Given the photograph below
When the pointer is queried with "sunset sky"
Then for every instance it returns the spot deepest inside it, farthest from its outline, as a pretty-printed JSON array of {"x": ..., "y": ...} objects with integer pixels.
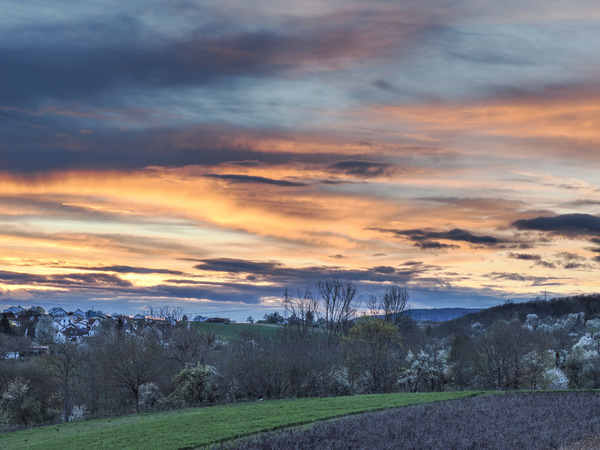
[{"x": 209, "y": 154}]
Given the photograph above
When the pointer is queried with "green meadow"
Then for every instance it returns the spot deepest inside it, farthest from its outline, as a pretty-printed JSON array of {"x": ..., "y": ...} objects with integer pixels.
[
  {"x": 233, "y": 330},
  {"x": 198, "y": 427}
]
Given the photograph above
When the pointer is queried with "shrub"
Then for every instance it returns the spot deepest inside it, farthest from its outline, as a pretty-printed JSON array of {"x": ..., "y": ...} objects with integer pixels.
[
  {"x": 150, "y": 397},
  {"x": 78, "y": 413},
  {"x": 194, "y": 386}
]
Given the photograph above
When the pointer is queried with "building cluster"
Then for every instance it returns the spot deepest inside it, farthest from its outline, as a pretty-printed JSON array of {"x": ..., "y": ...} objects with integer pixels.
[{"x": 72, "y": 325}]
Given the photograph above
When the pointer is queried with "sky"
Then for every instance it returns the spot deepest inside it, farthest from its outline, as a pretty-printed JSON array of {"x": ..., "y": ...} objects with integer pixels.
[{"x": 209, "y": 155}]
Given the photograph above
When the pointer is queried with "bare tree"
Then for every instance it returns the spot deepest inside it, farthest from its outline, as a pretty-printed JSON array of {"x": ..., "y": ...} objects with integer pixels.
[
  {"x": 162, "y": 320},
  {"x": 64, "y": 363},
  {"x": 339, "y": 305},
  {"x": 301, "y": 310},
  {"x": 186, "y": 346},
  {"x": 391, "y": 304},
  {"x": 131, "y": 361}
]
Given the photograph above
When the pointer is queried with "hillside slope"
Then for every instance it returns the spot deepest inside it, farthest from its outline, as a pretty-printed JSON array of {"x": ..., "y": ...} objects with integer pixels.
[
  {"x": 589, "y": 305},
  {"x": 202, "y": 426}
]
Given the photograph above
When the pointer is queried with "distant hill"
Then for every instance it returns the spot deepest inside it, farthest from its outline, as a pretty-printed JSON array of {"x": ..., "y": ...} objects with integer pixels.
[
  {"x": 555, "y": 308},
  {"x": 438, "y": 314}
]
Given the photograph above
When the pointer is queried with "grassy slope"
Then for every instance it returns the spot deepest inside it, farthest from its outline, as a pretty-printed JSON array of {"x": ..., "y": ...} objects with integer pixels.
[
  {"x": 202, "y": 426},
  {"x": 543, "y": 420},
  {"x": 232, "y": 331}
]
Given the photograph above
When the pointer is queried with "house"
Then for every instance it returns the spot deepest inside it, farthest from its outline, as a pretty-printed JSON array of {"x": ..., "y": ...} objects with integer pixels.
[
  {"x": 35, "y": 350},
  {"x": 90, "y": 314},
  {"x": 221, "y": 320},
  {"x": 79, "y": 313},
  {"x": 93, "y": 326},
  {"x": 73, "y": 333},
  {"x": 16, "y": 310},
  {"x": 199, "y": 319},
  {"x": 66, "y": 321},
  {"x": 139, "y": 317},
  {"x": 92, "y": 323},
  {"x": 60, "y": 338},
  {"x": 36, "y": 311},
  {"x": 57, "y": 311},
  {"x": 14, "y": 320},
  {"x": 32, "y": 350}
]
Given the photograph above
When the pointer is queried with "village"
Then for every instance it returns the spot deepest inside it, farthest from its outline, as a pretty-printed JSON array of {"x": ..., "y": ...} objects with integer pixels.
[{"x": 74, "y": 326}]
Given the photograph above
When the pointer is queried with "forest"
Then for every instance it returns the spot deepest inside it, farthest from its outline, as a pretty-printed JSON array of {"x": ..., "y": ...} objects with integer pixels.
[{"x": 325, "y": 347}]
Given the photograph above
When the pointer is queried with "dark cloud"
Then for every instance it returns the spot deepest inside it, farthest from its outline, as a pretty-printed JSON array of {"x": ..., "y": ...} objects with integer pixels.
[
  {"x": 546, "y": 264},
  {"x": 572, "y": 225},
  {"x": 384, "y": 269},
  {"x": 130, "y": 269},
  {"x": 73, "y": 72},
  {"x": 72, "y": 280},
  {"x": 238, "y": 266},
  {"x": 532, "y": 280},
  {"x": 226, "y": 292},
  {"x": 120, "y": 53},
  {"x": 455, "y": 234},
  {"x": 363, "y": 169},
  {"x": 562, "y": 260},
  {"x": 275, "y": 272},
  {"x": 255, "y": 179},
  {"x": 434, "y": 245},
  {"x": 28, "y": 151},
  {"x": 427, "y": 238},
  {"x": 525, "y": 256},
  {"x": 582, "y": 203},
  {"x": 568, "y": 256},
  {"x": 121, "y": 150},
  {"x": 578, "y": 266},
  {"x": 91, "y": 285},
  {"x": 383, "y": 85},
  {"x": 572, "y": 261}
]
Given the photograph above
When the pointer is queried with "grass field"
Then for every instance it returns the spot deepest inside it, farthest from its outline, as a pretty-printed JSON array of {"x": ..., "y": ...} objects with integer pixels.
[
  {"x": 202, "y": 426},
  {"x": 233, "y": 330},
  {"x": 518, "y": 420}
]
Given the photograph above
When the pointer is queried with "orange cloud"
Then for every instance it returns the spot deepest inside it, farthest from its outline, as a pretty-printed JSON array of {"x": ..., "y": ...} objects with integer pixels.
[{"x": 566, "y": 120}]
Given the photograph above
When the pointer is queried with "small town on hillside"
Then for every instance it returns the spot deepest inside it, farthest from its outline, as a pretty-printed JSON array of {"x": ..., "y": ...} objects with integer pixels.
[{"x": 76, "y": 325}]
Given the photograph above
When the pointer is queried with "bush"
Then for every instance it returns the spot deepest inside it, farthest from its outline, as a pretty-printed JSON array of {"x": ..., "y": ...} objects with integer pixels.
[
  {"x": 194, "y": 386},
  {"x": 150, "y": 397},
  {"x": 18, "y": 407},
  {"x": 78, "y": 413}
]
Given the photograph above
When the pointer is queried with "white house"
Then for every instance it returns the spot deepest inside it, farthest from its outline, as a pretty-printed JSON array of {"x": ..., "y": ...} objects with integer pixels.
[
  {"x": 60, "y": 337},
  {"x": 66, "y": 321}
]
